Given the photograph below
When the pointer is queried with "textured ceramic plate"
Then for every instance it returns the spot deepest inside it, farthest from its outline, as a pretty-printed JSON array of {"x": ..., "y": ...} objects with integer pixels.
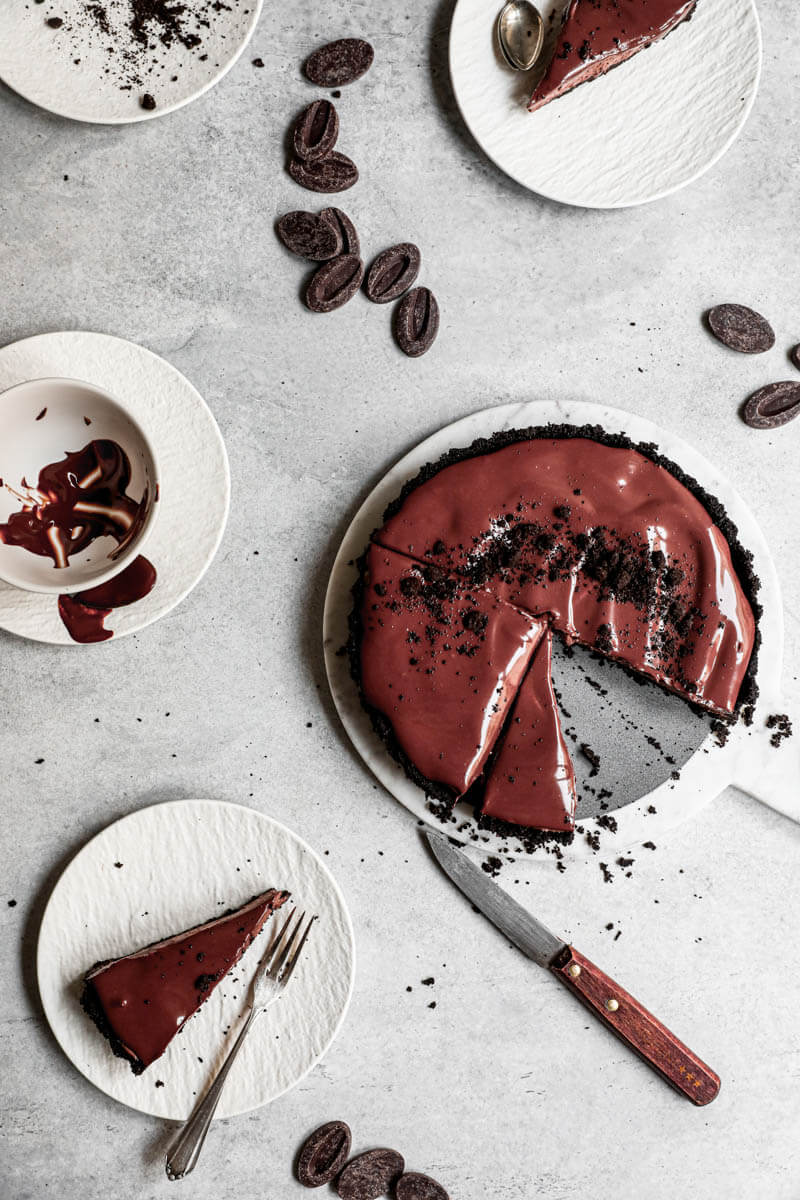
[
  {"x": 71, "y": 71},
  {"x": 619, "y": 728},
  {"x": 181, "y": 863},
  {"x": 644, "y": 130},
  {"x": 193, "y": 470}
]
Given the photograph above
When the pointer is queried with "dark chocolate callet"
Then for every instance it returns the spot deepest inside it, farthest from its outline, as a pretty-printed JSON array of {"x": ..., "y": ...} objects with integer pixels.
[
  {"x": 740, "y": 328},
  {"x": 310, "y": 235},
  {"x": 334, "y": 173},
  {"x": 773, "y": 405},
  {"x": 336, "y": 282},
  {"x": 316, "y": 131},
  {"x": 393, "y": 272},
  {"x": 370, "y": 1175},
  {"x": 323, "y": 1154},
  {"x": 414, "y": 1186},
  {"x": 339, "y": 62},
  {"x": 345, "y": 230},
  {"x": 417, "y": 322}
]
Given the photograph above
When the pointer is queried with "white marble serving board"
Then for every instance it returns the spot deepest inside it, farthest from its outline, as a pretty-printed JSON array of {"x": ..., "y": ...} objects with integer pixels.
[
  {"x": 70, "y": 72},
  {"x": 746, "y": 759},
  {"x": 182, "y": 862},
  {"x": 194, "y": 478},
  {"x": 645, "y": 129}
]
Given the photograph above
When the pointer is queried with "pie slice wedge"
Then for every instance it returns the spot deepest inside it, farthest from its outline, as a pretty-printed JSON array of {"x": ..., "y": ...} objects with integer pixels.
[
  {"x": 597, "y": 35},
  {"x": 438, "y": 665},
  {"x": 531, "y": 782},
  {"x": 140, "y": 1001}
]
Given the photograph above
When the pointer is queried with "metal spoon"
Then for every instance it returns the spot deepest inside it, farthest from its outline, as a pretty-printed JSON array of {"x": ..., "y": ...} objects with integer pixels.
[{"x": 520, "y": 32}]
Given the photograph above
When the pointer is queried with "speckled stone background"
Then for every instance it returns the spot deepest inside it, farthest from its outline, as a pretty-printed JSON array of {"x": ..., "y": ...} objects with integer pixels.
[{"x": 163, "y": 233}]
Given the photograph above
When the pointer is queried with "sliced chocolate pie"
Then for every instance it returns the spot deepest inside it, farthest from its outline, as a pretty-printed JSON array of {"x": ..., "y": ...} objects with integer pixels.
[
  {"x": 496, "y": 547},
  {"x": 140, "y": 1001},
  {"x": 597, "y": 35}
]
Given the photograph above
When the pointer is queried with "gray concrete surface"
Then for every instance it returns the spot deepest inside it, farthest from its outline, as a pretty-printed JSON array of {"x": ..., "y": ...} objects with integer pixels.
[{"x": 163, "y": 234}]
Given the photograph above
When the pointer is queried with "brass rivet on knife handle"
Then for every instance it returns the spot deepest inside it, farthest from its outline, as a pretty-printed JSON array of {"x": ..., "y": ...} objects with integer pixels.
[{"x": 631, "y": 1022}]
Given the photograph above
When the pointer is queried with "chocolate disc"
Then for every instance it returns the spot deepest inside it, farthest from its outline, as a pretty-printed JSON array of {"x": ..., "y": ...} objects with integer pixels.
[
  {"x": 339, "y": 62},
  {"x": 323, "y": 1154},
  {"x": 417, "y": 322},
  {"x": 773, "y": 405},
  {"x": 316, "y": 131},
  {"x": 311, "y": 236},
  {"x": 413, "y": 1186},
  {"x": 345, "y": 228},
  {"x": 393, "y": 272},
  {"x": 336, "y": 282},
  {"x": 370, "y": 1175},
  {"x": 741, "y": 329},
  {"x": 334, "y": 173},
  {"x": 794, "y": 356}
]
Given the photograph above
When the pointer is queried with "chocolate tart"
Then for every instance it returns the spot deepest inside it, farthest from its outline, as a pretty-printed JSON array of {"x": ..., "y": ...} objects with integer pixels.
[
  {"x": 140, "y": 1001},
  {"x": 580, "y": 533},
  {"x": 597, "y": 35}
]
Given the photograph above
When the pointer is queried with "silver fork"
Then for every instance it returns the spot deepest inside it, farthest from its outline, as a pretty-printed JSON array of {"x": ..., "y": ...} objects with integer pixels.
[{"x": 273, "y": 973}]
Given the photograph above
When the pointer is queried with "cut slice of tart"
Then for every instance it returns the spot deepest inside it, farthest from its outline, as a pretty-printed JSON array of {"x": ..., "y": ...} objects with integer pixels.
[
  {"x": 531, "y": 782},
  {"x": 438, "y": 664},
  {"x": 140, "y": 1001},
  {"x": 597, "y": 35}
]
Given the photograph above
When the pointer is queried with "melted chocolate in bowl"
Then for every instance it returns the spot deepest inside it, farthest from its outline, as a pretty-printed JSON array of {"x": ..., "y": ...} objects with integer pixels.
[{"x": 77, "y": 500}]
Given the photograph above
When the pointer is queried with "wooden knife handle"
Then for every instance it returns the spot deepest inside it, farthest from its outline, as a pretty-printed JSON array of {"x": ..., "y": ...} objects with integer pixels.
[{"x": 627, "y": 1018}]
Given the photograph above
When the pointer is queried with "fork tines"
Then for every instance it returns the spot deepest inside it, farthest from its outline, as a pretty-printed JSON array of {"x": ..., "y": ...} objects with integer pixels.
[{"x": 283, "y": 951}]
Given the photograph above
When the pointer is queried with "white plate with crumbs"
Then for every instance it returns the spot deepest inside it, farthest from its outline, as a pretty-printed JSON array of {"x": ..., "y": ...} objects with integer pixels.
[
  {"x": 647, "y": 128},
  {"x": 158, "y": 872},
  {"x": 116, "y": 61}
]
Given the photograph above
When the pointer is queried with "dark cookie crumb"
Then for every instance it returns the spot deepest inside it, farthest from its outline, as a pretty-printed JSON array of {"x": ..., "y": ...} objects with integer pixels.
[
  {"x": 649, "y": 845},
  {"x": 782, "y": 726},
  {"x": 492, "y": 866},
  {"x": 147, "y": 102},
  {"x": 593, "y": 757}
]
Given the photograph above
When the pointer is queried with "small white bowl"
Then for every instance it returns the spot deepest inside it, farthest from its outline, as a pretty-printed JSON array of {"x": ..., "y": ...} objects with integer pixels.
[{"x": 42, "y": 421}]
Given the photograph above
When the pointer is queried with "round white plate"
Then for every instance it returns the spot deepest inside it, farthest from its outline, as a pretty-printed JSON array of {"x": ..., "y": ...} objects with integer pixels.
[
  {"x": 182, "y": 862},
  {"x": 647, "y": 128},
  {"x": 193, "y": 471},
  {"x": 708, "y": 770},
  {"x": 40, "y": 63}
]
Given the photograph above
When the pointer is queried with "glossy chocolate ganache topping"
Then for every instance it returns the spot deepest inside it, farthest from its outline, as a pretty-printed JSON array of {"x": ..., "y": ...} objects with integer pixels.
[
  {"x": 140, "y": 1001},
  {"x": 494, "y": 548},
  {"x": 597, "y": 35},
  {"x": 76, "y": 500}
]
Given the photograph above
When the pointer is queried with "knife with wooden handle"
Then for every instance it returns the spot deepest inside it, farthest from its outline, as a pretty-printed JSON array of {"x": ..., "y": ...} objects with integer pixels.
[{"x": 610, "y": 1003}]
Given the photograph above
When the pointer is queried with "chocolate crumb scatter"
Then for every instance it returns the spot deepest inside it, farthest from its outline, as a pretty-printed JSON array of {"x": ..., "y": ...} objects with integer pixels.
[
  {"x": 593, "y": 758},
  {"x": 782, "y": 726},
  {"x": 492, "y": 866},
  {"x": 607, "y": 875}
]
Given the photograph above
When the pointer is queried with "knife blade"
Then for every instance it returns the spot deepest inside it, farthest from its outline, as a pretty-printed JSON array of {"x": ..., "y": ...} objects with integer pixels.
[{"x": 610, "y": 1003}]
